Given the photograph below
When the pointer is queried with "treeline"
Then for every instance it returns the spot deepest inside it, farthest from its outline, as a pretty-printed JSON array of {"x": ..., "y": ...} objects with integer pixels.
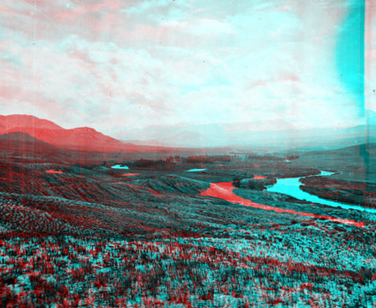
[
  {"x": 173, "y": 161},
  {"x": 267, "y": 157},
  {"x": 206, "y": 159}
]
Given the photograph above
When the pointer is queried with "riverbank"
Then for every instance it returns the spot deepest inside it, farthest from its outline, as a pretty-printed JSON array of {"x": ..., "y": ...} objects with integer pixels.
[
  {"x": 343, "y": 191},
  {"x": 293, "y": 187}
]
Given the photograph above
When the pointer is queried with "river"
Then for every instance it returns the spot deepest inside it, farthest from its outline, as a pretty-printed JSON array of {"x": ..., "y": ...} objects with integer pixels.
[
  {"x": 224, "y": 190},
  {"x": 291, "y": 186}
]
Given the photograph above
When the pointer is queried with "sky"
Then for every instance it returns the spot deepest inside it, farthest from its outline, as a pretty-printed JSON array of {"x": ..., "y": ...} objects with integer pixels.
[{"x": 123, "y": 65}]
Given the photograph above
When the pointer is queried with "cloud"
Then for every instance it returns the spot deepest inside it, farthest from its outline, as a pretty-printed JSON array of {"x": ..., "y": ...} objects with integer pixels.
[{"x": 131, "y": 64}]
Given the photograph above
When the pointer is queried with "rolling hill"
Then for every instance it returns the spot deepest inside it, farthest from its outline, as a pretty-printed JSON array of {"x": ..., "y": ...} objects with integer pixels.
[{"x": 83, "y": 138}]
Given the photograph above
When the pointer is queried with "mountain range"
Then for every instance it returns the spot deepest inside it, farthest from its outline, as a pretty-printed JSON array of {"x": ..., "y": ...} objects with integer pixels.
[
  {"x": 275, "y": 135},
  {"x": 82, "y": 138},
  {"x": 26, "y": 134},
  {"x": 246, "y": 137}
]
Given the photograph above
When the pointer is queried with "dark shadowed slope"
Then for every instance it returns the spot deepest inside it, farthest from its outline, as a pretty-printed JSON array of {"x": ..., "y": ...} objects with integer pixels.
[{"x": 22, "y": 146}]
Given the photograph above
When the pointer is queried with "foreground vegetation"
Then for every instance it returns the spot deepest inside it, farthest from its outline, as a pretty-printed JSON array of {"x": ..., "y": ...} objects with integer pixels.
[
  {"x": 90, "y": 237},
  {"x": 73, "y": 272}
]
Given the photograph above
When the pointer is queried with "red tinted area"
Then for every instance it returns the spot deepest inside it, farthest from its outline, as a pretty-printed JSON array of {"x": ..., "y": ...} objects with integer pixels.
[
  {"x": 224, "y": 191},
  {"x": 130, "y": 174},
  {"x": 259, "y": 177},
  {"x": 54, "y": 171}
]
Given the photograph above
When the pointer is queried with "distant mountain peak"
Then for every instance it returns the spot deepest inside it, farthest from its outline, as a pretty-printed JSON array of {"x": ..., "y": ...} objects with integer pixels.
[
  {"x": 85, "y": 129},
  {"x": 23, "y": 120}
]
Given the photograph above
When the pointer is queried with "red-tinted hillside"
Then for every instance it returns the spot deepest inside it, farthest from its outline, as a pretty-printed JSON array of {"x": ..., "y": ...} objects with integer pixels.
[
  {"x": 84, "y": 138},
  {"x": 23, "y": 120},
  {"x": 80, "y": 139}
]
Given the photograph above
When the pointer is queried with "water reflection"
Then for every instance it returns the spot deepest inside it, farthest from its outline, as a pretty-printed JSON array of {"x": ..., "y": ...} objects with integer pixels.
[{"x": 291, "y": 186}]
